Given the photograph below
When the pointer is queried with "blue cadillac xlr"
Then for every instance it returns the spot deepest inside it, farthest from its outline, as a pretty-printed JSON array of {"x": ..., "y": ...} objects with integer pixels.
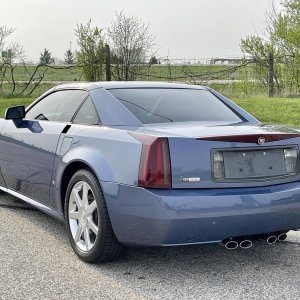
[{"x": 152, "y": 164}]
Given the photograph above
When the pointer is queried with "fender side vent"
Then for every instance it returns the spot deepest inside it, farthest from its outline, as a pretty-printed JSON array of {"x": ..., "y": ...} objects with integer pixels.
[{"x": 66, "y": 129}]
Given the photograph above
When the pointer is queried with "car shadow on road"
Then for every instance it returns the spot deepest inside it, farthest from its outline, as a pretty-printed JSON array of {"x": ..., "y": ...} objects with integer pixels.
[{"x": 30, "y": 214}]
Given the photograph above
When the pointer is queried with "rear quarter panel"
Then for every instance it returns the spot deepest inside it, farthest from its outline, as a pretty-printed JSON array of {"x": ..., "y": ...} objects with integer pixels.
[{"x": 112, "y": 154}]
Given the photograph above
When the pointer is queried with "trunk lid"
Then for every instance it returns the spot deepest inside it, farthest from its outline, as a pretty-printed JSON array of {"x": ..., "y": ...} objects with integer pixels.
[
  {"x": 253, "y": 154},
  {"x": 206, "y": 130}
]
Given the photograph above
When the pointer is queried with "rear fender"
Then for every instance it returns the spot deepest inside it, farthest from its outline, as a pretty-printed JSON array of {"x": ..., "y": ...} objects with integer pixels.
[
  {"x": 110, "y": 160},
  {"x": 93, "y": 159}
]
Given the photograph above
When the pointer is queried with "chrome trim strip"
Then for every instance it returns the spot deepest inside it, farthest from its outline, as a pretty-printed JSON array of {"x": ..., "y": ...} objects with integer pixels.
[
  {"x": 190, "y": 244},
  {"x": 36, "y": 204},
  {"x": 3, "y": 189}
]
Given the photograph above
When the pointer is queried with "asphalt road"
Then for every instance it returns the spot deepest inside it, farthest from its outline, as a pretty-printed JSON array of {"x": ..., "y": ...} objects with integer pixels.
[{"x": 36, "y": 262}]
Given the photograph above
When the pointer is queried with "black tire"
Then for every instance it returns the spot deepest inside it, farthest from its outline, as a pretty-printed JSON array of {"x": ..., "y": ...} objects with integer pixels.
[{"x": 106, "y": 246}]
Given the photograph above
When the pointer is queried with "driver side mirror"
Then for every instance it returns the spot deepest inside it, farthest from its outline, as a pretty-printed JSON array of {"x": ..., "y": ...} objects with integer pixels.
[{"x": 14, "y": 113}]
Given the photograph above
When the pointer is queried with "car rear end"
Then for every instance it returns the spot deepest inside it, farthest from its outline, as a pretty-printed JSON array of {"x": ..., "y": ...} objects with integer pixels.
[
  {"x": 193, "y": 190},
  {"x": 205, "y": 182}
]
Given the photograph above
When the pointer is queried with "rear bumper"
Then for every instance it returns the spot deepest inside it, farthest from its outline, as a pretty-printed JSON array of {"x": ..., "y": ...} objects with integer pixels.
[{"x": 179, "y": 217}]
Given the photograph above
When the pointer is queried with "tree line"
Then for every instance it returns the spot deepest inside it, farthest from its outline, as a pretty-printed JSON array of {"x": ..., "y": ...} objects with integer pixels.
[{"x": 127, "y": 44}]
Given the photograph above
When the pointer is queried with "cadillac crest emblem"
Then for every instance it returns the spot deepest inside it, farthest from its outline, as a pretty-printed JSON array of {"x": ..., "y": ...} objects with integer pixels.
[{"x": 261, "y": 141}]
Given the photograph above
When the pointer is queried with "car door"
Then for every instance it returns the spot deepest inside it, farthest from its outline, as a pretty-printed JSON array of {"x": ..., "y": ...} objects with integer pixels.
[{"x": 28, "y": 148}]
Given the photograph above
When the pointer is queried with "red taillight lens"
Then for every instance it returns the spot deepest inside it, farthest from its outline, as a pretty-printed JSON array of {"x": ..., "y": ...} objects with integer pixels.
[{"x": 155, "y": 165}]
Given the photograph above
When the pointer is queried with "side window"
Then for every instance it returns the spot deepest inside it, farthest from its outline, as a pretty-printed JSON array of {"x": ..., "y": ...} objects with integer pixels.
[
  {"x": 87, "y": 114},
  {"x": 59, "y": 106}
]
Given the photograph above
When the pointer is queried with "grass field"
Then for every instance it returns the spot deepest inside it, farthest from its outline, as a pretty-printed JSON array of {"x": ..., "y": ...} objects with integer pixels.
[
  {"x": 4, "y": 103},
  {"x": 275, "y": 111}
]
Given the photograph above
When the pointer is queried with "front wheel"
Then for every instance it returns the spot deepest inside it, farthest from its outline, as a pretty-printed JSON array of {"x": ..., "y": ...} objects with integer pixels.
[{"x": 88, "y": 224}]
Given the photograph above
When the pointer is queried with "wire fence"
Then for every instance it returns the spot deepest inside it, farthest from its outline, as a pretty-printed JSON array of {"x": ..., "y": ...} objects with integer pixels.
[{"x": 234, "y": 77}]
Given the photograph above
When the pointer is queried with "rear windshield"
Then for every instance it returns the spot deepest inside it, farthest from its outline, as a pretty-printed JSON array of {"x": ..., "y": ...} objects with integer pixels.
[{"x": 163, "y": 105}]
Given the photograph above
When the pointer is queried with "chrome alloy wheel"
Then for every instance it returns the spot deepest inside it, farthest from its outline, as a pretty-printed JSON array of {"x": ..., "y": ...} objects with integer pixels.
[{"x": 83, "y": 216}]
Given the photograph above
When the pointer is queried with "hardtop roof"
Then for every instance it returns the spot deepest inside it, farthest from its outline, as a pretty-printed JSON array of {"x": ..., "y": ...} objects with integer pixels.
[{"x": 126, "y": 84}]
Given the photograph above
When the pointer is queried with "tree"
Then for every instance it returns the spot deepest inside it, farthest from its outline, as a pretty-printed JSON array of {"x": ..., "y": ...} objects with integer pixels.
[
  {"x": 69, "y": 57},
  {"x": 5, "y": 32},
  {"x": 131, "y": 44},
  {"x": 9, "y": 53},
  {"x": 282, "y": 39},
  {"x": 46, "y": 57},
  {"x": 91, "y": 55},
  {"x": 13, "y": 51},
  {"x": 153, "y": 61}
]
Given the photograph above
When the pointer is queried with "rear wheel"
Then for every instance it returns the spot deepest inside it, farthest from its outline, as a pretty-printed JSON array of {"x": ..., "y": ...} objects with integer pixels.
[{"x": 89, "y": 228}]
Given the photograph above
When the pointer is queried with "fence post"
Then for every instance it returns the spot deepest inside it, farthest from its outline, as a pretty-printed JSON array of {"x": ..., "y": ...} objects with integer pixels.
[
  {"x": 271, "y": 75},
  {"x": 107, "y": 63}
]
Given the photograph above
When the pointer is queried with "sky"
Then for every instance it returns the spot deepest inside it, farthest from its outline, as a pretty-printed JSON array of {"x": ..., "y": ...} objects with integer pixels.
[{"x": 182, "y": 29}]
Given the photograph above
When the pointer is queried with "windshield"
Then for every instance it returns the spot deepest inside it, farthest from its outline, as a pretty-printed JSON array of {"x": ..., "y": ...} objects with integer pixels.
[{"x": 164, "y": 105}]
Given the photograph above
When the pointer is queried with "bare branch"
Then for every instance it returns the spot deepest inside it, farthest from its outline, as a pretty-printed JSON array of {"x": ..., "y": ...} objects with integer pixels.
[
  {"x": 5, "y": 32},
  {"x": 131, "y": 44}
]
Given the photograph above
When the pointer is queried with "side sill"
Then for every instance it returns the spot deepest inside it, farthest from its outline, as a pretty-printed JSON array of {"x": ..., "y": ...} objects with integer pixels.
[{"x": 41, "y": 207}]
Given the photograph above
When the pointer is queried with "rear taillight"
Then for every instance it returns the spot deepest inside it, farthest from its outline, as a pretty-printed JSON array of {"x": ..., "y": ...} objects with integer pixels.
[
  {"x": 291, "y": 159},
  {"x": 155, "y": 165},
  {"x": 218, "y": 165}
]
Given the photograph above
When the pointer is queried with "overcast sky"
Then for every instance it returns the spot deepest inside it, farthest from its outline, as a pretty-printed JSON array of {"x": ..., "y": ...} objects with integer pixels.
[{"x": 182, "y": 29}]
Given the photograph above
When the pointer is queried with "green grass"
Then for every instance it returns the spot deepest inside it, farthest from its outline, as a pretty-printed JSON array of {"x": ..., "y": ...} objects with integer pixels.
[
  {"x": 4, "y": 103},
  {"x": 58, "y": 73},
  {"x": 274, "y": 111},
  {"x": 284, "y": 111}
]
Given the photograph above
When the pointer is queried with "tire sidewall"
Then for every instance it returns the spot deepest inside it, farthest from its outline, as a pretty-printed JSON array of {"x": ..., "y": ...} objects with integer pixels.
[{"x": 84, "y": 175}]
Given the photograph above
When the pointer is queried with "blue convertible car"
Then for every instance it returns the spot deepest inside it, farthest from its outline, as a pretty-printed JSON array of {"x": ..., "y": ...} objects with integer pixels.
[{"x": 153, "y": 164}]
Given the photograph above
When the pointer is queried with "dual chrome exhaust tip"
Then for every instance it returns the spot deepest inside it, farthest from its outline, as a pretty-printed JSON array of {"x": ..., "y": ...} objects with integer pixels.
[
  {"x": 270, "y": 238},
  {"x": 282, "y": 237},
  {"x": 231, "y": 244}
]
